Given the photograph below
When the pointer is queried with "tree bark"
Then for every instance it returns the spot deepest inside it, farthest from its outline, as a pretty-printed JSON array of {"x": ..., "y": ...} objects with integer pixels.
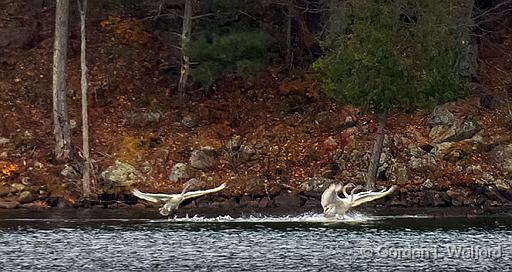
[
  {"x": 185, "y": 59},
  {"x": 371, "y": 177},
  {"x": 61, "y": 128},
  {"x": 289, "y": 35},
  {"x": 87, "y": 182}
]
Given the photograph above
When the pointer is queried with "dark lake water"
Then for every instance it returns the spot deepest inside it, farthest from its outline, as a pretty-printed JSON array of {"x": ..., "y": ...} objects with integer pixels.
[{"x": 123, "y": 241}]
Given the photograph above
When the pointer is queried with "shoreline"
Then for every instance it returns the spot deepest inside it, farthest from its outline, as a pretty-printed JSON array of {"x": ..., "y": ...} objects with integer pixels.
[{"x": 130, "y": 212}]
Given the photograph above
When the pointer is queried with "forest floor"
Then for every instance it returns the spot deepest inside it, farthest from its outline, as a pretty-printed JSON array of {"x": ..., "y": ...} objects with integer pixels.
[{"x": 284, "y": 118}]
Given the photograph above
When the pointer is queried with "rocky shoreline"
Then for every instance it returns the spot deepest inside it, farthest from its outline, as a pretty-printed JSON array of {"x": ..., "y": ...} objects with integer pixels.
[{"x": 474, "y": 200}]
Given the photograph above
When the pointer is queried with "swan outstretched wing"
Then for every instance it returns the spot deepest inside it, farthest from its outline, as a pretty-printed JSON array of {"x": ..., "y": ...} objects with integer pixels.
[
  {"x": 364, "y": 197},
  {"x": 204, "y": 192},
  {"x": 153, "y": 197},
  {"x": 330, "y": 195}
]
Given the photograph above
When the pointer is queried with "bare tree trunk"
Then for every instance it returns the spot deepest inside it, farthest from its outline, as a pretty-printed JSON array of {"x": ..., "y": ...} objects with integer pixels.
[
  {"x": 60, "y": 115},
  {"x": 376, "y": 152},
  {"x": 289, "y": 35},
  {"x": 87, "y": 183},
  {"x": 185, "y": 60}
]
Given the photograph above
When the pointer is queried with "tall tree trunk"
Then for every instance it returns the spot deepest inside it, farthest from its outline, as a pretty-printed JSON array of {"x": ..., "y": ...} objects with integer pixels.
[
  {"x": 289, "y": 56},
  {"x": 60, "y": 115},
  {"x": 185, "y": 59},
  {"x": 376, "y": 152},
  {"x": 87, "y": 183}
]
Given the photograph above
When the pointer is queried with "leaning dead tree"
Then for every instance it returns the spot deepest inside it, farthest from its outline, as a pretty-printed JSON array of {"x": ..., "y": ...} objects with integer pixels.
[
  {"x": 61, "y": 128},
  {"x": 371, "y": 177},
  {"x": 87, "y": 183},
  {"x": 185, "y": 59}
]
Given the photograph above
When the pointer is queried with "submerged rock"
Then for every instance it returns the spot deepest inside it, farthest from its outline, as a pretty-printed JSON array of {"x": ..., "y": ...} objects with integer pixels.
[
  {"x": 286, "y": 199},
  {"x": 8, "y": 204}
]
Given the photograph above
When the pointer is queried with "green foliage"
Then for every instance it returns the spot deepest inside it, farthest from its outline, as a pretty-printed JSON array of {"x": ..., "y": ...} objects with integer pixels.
[
  {"x": 228, "y": 39},
  {"x": 238, "y": 52},
  {"x": 394, "y": 55}
]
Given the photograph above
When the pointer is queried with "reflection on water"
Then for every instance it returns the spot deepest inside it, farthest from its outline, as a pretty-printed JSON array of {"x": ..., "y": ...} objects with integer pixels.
[{"x": 63, "y": 242}]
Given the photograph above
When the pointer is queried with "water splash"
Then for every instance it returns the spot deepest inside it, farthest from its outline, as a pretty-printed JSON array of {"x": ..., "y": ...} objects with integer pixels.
[{"x": 301, "y": 218}]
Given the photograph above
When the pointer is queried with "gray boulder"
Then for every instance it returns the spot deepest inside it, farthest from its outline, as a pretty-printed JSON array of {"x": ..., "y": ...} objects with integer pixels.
[
  {"x": 204, "y": 158},
  {"x": 70, "y": 171},
  {"x": 179, "y": 171},
  {"x": 142, "y": 119},
  {"x": 440, "y": 116},
  {"x": 421, "y": 160},
  {"x": 502, "y": 154},
  {"x": 121, "y": 174},
  {"x": 25, "y": 197},
  {"x": 445, "y": 127}
]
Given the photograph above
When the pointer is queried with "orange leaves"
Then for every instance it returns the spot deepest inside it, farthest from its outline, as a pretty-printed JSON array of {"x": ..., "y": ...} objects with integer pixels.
[
  {"x": 8, "y": 169},
  {"x": 127, "y": 31},
  {"x": 305, "y": 85}
]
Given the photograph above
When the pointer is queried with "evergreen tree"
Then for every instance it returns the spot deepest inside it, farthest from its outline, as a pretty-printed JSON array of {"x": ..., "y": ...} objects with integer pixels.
[{"x": 385, "y": 55}]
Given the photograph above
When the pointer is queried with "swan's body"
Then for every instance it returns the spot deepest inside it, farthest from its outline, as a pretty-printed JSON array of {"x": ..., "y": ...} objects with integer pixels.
[
  {"x": 334, "y": 205},
  {"x": 172, "y": 201}
]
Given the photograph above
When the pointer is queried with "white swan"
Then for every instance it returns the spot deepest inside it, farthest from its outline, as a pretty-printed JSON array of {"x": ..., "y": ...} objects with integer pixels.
[
  {"x": 174, "y": 200},
  {"x": 333, "y": 205}
]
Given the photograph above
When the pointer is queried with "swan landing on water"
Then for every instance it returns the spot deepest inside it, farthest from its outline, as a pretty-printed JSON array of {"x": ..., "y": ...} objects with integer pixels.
[
  {"x": 174, "y": 200},
  {"x": 335, "y": 206}
]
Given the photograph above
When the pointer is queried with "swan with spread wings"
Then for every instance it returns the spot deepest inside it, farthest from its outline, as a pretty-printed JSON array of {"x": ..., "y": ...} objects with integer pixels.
[
  {"x": 334, "y": 205},
  {"x": 172, "y": 201}
]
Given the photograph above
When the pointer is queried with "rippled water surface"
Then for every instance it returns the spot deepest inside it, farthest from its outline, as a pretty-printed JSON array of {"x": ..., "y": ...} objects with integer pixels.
[{"x": 306, "y": 242}]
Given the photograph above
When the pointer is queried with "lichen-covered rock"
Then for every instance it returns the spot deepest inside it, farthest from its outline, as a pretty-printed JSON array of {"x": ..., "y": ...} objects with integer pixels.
[
  {"x": 398, "y": 173},
  {"x": 70, "y": 171},
  {"x": 445, "y": 127},
  {"x": 204, "y": 158},
  {"x": 121, "y": 174},
  {"x": 25, "y": 197},
  {"x": 440, "y": 116},
  {"x": 142, "y": 119},
  {"x": 423, "y": 163},
  {"x": 502, "y": 154},
  {"x": 179, "y": 171},
  {"x": 18, "y": 187},
  {"x": 458, "y": 131}
]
